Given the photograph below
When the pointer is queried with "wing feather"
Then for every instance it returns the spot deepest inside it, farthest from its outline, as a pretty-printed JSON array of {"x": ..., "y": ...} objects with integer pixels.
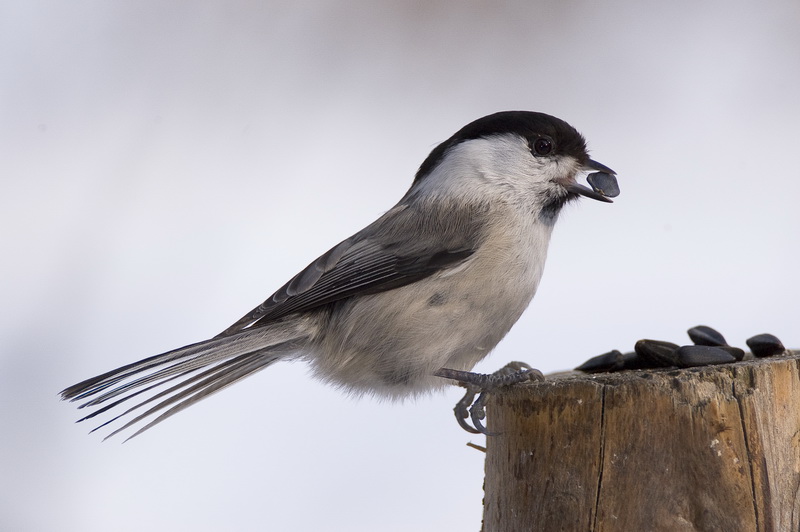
[{"x": 388, "y": 254}]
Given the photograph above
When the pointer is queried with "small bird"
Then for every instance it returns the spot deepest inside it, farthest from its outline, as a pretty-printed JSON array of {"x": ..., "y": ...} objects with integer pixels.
[{"x": 411, "y": 301}]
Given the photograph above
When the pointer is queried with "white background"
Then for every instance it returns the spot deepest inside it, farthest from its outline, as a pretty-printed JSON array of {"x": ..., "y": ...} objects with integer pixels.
[{"x": 166, "y": 165}]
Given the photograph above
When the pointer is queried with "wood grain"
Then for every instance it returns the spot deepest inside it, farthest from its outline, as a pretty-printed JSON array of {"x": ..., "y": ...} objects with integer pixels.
[{"x": 700, "y": 449}]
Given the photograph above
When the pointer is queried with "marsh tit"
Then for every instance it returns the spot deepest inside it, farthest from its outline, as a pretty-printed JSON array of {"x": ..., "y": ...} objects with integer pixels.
[{"x": 414, "y": 299}]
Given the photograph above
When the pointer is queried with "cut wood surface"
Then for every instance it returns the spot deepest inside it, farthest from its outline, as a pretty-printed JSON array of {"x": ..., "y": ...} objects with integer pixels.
[{"x": 700, "y": 449}]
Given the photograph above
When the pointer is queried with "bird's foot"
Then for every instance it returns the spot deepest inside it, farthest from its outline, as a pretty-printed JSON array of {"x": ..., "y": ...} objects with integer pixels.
[{"x": 482, "y": 384}]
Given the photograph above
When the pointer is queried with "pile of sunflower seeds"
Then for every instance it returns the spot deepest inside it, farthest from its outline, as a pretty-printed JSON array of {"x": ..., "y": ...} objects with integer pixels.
[{"x": 709, "y": 348}]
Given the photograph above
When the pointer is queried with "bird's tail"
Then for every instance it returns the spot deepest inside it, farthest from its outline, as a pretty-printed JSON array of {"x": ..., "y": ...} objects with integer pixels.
[{"x": 195, "y": 371}]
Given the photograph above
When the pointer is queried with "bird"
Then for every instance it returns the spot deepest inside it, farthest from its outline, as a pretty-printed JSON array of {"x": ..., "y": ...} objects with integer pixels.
[{"x": 409, "y": 303}]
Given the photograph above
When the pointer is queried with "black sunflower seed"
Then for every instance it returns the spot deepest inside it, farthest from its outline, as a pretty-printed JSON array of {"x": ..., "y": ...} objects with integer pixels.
[
  {"x": 634, "y": 361},
  {"x": 605, "y": 184},
  {"x": 611, "y": 361},
  {"x": 702, "y": 355},
  {"x": 660, "y": 354},
  {"x": 704, "y": 335},
  {"x": 735, "y": 352},
  {"x": 765, "y": 345}
]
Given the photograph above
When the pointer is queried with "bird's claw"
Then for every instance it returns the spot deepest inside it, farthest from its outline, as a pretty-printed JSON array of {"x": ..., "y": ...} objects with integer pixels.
[
  {"x": 482, "y": 385},
  {"x": 462, "y": 410},
  {"x": 478, "y": 414}
]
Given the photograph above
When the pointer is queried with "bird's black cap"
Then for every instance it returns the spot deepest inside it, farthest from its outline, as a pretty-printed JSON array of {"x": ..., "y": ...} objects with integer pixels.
[{"x": 527, "y": 124}]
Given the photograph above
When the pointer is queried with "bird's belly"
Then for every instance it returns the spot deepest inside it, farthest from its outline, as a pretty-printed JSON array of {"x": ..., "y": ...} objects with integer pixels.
[{"x": 391, "y": 343}]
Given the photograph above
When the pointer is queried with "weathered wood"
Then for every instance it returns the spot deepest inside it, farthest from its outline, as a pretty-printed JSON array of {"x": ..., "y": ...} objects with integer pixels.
[{"x": 701, "y": 449}]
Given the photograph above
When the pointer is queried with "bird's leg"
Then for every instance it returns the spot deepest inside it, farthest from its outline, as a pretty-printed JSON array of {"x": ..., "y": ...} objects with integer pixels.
[{"x": 482, "y": 384}]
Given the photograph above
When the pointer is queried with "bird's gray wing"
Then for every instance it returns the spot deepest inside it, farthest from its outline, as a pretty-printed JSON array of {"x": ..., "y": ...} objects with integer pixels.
[{"x": 407, "y": 244}]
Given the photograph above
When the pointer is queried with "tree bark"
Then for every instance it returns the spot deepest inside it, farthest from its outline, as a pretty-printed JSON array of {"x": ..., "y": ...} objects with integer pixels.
[{"x": 700, "y": 449}]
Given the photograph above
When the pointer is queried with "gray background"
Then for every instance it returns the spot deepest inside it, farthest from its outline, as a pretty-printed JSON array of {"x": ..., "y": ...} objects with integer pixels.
[{"x": 166, "y": 165}]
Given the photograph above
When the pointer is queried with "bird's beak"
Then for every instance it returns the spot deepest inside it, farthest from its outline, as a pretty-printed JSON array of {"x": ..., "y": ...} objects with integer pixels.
[
  {"x": 597, "y": 167},
  {"x": 602, "y": 180}
]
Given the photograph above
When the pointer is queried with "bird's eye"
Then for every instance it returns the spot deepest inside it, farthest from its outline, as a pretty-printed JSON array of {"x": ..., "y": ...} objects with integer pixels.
[{"x": 542, "y": 146}]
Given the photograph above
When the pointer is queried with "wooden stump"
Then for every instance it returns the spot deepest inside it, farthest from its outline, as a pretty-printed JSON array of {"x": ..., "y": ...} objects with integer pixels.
[{"x": 701, "y": 449}]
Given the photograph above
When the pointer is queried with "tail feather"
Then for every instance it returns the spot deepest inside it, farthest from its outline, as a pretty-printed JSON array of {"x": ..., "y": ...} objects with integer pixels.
[
  {"x": 97, "y": 384},
  {"x": 200, "y": 370},
  {"x": 188, "y": 360},
  {"x": 129, "y": 396},
  {"x": 215, "y": 369},
  {"x": 219, "y": 380}
]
